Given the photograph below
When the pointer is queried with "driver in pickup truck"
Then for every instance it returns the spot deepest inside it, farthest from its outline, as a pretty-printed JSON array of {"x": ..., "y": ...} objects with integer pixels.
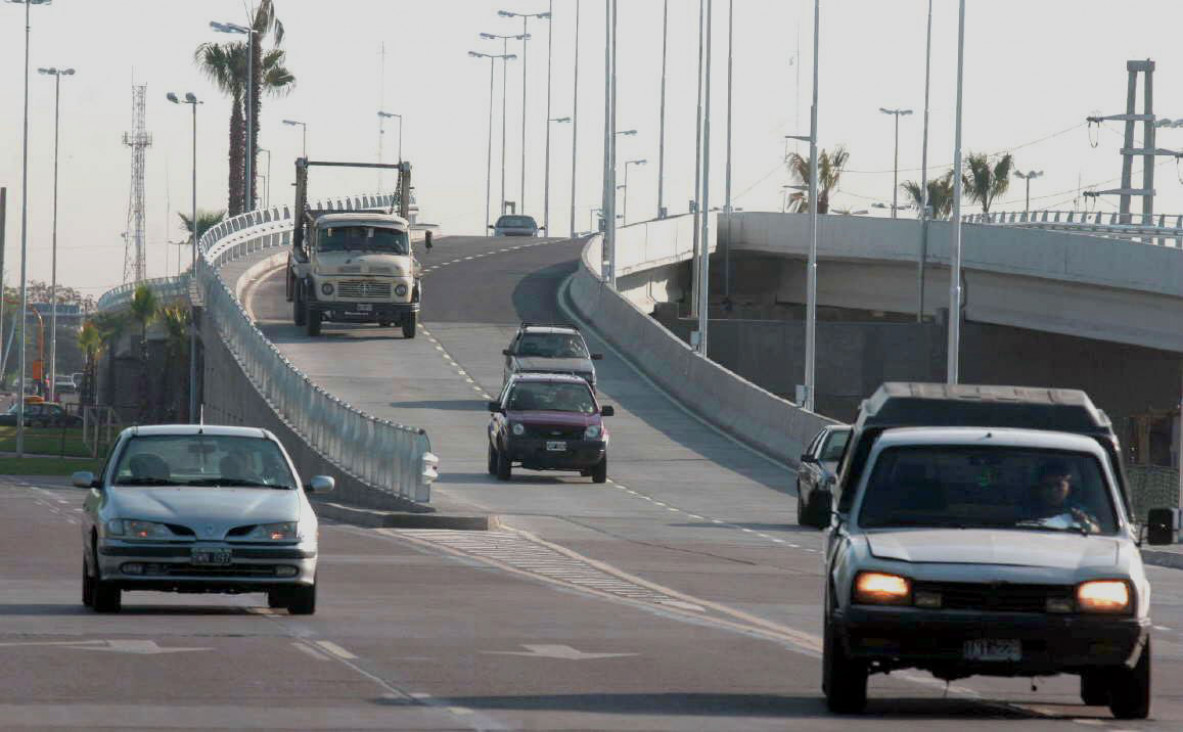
[{"x": 1052, "y": 496}]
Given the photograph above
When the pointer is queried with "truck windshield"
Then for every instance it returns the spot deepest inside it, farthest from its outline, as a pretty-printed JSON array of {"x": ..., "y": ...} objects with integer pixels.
[
  {"x": 987, "y": 487},
  {"x": 362, "y": 238}
]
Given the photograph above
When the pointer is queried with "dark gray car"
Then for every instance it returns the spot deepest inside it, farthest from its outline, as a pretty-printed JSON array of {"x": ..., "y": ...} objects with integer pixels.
[
  {"x": 516, "y": 225},
  {"x": 819, "y": 467}
]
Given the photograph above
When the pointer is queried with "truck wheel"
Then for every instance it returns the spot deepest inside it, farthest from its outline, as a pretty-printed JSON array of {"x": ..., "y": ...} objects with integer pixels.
[
  {"x": 844, "y": 679},
  {"x": 1094, "y": 689},
  {"x": 298, "y": 312},
  {"x": 504, "y": 466},
  {"x": 800, "y": 505},
  {"x": 312, "y": 320},
  {"x": 492, "y": 460},
  {"x": 410, "y": 324},
  {"x": 1129, "y": 689},
  {"x": 599, "y": 473}
]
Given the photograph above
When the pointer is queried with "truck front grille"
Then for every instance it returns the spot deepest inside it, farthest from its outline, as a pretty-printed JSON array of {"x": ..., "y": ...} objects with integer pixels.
[
  {"x": 1000, "y": 597},
  {"x": 364, "y": 289}
]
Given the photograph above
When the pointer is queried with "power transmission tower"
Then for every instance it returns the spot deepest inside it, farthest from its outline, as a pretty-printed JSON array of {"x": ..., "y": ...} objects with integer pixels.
[
  {"x": 1148, "y": 151},
  {"x": 139, "y": 140}
]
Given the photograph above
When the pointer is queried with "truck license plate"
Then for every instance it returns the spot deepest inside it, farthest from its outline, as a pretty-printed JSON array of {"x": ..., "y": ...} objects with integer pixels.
[
  {"x": 365, "y": 307},
  {"x": 217, "y": 557},
  {"x": 993, "y": 650},
  {"x": 556, "y": 446}
]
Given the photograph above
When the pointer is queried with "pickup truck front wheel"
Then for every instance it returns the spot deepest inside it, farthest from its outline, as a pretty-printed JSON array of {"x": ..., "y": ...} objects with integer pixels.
[
  {"x": 1129, "y": 689},
  {"x": 844, "y": 679},
  {"x": 312, "y": 319},
  {"x": 298, "y": 313},
  {"x": 409, "y": 324}
]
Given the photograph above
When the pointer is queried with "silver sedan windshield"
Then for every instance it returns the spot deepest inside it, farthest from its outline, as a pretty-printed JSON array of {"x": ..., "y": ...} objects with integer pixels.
[{"x": 203, "y": 460}]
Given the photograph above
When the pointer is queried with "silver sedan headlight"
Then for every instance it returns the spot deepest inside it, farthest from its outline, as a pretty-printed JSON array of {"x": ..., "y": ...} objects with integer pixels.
[
  {"x": 136, "y": 529},
  {"x": 284, "y": 531}
]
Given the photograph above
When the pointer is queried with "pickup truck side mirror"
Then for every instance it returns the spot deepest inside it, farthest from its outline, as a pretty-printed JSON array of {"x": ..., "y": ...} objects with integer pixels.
[
  {"x": 808, "y": 458},
  {"x": 427, "y": 239},
  {"x": 597, "y": 357},
  {"x": 506, "y": 352},
  {"x": 1161, "y": 526},
  {"x": 491, "y": 226},
  {"x": 607, "y": 411},
  {"x": 494, "y": 406}
]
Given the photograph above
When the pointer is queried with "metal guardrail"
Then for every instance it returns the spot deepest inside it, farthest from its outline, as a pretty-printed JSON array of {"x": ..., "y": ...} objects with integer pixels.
[
  {"x": 167, "y": 289},
  {"x": 1152, "y": 229},
  {"x": 377, "y": 452}
]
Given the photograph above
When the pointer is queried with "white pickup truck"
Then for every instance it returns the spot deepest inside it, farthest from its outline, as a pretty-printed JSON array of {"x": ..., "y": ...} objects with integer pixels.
[{"x": 985, "y": 531}]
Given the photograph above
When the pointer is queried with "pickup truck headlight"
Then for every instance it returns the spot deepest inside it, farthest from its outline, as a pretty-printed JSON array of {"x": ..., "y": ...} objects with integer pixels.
[
  {"x": 878, "y": 588},
  {"x": 135, "y": 529},
  {"x": 327, "y": 288},
  {"x": 400, "y": 290},
  {"x": 1103, "y": 596},
  {"x": 518, "y": 429},
  {"x": 285, "y": 531},
  {"x": 592, "y": 432}
]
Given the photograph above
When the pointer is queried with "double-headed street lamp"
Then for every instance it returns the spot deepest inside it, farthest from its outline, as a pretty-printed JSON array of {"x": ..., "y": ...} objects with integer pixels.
[
  {"x": 895, "y": 169},
  {"x": 384, "y": 116},
  {"x": 267, "y": 184},
  {"x": 505, "y": 58},
  {"x": 57, "y": 75},
  {"x": 1027, "y": 177},
  {"x": 505, "y": 54},
  {"x": 192, "y": 101},
  {"x": 20, "y": 405},
  {"x": 642, "y": 161},
  {"x": 304, "y": 142},
  {"x": 525, "y": 38},
  {"x": 251, "y": 34}
]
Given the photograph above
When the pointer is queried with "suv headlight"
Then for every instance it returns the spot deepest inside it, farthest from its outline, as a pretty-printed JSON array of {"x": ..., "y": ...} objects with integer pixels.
[
  {"x": 593, "y": 432},
  {"x": 284, "y": 531},
  {"x": 518, "y": 429},
  {"x": 1103, "y": 596},
  {"x": 878, "y": 588},
  {"x": 136, "y": 529}
]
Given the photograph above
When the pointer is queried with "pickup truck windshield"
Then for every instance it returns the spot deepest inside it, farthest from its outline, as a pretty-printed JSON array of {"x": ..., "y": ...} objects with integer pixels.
[
  {"x": 987, "y": 487},
  {"x": 551, "y": 345},
  {"x": 362, "y": 238}
]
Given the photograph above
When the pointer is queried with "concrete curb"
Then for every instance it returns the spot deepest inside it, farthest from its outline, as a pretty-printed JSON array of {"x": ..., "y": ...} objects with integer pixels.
[{"x": 378, "y": 519}]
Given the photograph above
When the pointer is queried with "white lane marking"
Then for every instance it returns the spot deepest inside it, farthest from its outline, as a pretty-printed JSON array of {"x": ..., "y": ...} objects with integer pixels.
[
  {"x": 694, "y": 516},
  {"x": 675, "y": 510},
  {"x": 304, "y": 648},
  {"x": 335, "y": 649},
  {"x": 420, "y": 695},
  {"x": 1162, "y": 627},
  {"x": 460, "y": 711}
]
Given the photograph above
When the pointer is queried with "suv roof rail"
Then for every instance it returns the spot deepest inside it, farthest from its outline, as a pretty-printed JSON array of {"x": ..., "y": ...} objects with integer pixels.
[{"x": 531, "y": 324}]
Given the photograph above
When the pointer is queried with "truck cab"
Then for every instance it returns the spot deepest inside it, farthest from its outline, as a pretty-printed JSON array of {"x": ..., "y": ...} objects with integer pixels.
[{"x": 982, "y": 530}]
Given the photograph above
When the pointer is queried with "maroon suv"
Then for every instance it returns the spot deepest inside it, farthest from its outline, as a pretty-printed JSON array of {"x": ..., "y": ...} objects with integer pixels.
[{"x": 548, "y": 422}]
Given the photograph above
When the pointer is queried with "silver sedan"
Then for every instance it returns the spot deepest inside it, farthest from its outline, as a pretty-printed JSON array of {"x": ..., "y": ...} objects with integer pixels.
[{"x": 199, "y": 508}]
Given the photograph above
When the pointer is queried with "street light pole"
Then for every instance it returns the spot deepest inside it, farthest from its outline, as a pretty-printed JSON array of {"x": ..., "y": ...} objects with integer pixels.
[
  {"x": 489, "y": 148},
  {"x": 550, "y": 44},
  {"x": 192, "y": 101},
  {"x": 895, "y": 170},
  {"x": 267, "y": 187},
  {"x": 1027, "y": 177},
  {"x": 525, "y": 43},
  {"x": 546, "y": 185},
  {"x": 952, "y": 365},
  {"x": 505, "y": 56},
  {"x": 924, "y": 205},
  {"x": 811, "y": 274},
  {"x": 665, "y": 30},
  {"x": 696, "y": 271},
  {"x": 53, "y": 287},
  {"x": 304, "y": 136},
  {"x": 704, "y": 278},
  {"x": 575, "y": 120},
  {"x": 627, "y": 163}
]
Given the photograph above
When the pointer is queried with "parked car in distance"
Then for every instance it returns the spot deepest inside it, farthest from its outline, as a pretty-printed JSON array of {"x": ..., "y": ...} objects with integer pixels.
[
  {"x": 548, "y": 422},
  {"x": 41, "y": 414},
  {"x": 63, "y": 384},
  {"x": 986, "y": 530},
  {"x": 516, "y": 225},
  {"x": 819, "y": 468},
  {"x": 199, "y": 509},
  {"x": 549, "y": 348}
]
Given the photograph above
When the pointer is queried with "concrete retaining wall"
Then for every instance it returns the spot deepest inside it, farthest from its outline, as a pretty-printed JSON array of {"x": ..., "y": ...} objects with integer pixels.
[{"x": 754, "y": 415}]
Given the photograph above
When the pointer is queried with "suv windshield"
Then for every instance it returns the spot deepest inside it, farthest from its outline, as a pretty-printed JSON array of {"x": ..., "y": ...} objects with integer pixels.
[
  {"x": 550, "y": 396},
  {"x": 552, "y": 345},
  {"x": 203, "y": 460},
  {"x": 362, "y": 238},
  {"x": 516, "y": 222},
  {"x": 987, "y": 487}
]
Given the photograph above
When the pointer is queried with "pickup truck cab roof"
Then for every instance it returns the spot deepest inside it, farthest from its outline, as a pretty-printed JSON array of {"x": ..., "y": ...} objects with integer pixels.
[{"x": 356, "y": 218}]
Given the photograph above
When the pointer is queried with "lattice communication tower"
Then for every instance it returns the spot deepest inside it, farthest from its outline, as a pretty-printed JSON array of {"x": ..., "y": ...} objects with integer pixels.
[{"x": 139, "y": 140}]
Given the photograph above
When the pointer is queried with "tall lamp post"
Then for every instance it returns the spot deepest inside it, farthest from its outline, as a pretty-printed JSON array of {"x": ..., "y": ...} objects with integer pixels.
[
  {"x": 251, "y": 34},
  {"x": 665, "y": 30},
  {"x": 953, "y": 349},
  {"x": 575, "y": 119},
  {"x": 624, "y": 213},
  {"x": 304, "y": 137},
  {"x": 267, "y": 185},
  {"x": 505, "y": 54},
  {"x": 388, "y": 115},
  {"x": 505, "y": 57},
  {"x": 546, "y": 185},
  {"x": 1027, "y": 177},
  {"x": 895, "y": 168},
  {"x": 192, "y": 101},
  {"x": 57, "y": 75},
  {"x": 545, "y": 15},
  {"x": 20, "y": 408}
]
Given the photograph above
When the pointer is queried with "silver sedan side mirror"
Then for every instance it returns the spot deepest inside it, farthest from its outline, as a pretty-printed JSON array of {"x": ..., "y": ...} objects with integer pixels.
[
  {"x": 82, "y": 479},
  {"x": 321, "y": 484}
]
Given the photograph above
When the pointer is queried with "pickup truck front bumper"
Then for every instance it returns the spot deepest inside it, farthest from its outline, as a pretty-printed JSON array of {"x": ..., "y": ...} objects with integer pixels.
[
  {"x": 935, "y": 641},
  {"x": 368, "y": 312}
]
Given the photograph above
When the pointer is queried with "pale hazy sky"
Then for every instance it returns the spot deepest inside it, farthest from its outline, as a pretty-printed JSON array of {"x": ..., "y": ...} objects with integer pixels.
[{"x": 1033, "y": 68}]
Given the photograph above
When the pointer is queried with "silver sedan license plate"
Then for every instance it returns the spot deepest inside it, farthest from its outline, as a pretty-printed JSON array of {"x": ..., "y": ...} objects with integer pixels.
[
  {"x": 215, "y": 556},
  {"x": 993, "y": 650},
  {"x": 556, "y": 446}
]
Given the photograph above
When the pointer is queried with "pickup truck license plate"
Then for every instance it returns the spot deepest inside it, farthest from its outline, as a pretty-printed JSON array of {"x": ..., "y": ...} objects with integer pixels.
[
  {"x": 216, "y": 557},
  {"x": 558, "y": 446},
  {"x": 992, "y": 650},
  {"x": 364, "y": 307}
]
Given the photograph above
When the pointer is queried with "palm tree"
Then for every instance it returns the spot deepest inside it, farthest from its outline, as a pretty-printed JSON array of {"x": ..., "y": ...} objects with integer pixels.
[
  {"x": 206, "y": 220},
  {"x": 984, "y": 183},
  {"x": 176, "y": 319},
  {"x": 144, "y": 309},
  {"x": 90, "y": 340},
  {"x": 940, "y": 194},
  {"x": 829, "y": 172},
  {"x": 225, "y": 65},
  {"x": 268, "y": 73}
]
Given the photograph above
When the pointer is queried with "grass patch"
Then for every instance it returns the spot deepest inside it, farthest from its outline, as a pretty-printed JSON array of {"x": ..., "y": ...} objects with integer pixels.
[
  {"x": 47, "y": 441},
  {"x": 46, "y": 466}
]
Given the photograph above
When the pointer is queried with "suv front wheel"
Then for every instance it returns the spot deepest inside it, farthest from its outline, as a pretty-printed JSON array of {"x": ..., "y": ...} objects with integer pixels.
[{"x": 1129, "y": 688}]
